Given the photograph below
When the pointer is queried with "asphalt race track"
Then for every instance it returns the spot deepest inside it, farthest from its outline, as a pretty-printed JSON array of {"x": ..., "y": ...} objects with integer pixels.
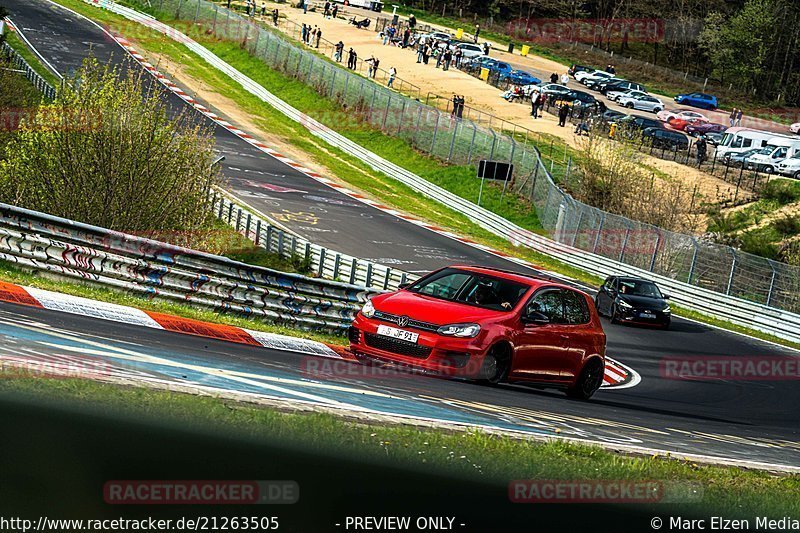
[{"x": 749, "y": 420}]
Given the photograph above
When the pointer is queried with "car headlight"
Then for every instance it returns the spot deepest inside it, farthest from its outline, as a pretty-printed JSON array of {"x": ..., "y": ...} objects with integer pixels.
[
  {"x": 623, "y": 304},
  {"x": 368, "y": 310},
  {"x": 460, "y": 330},
  {"x": 666, "y": 310}
]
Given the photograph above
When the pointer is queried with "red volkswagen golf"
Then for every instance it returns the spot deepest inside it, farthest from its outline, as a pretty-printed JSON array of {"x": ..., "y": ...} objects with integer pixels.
[{"x": 489, "y": 325}]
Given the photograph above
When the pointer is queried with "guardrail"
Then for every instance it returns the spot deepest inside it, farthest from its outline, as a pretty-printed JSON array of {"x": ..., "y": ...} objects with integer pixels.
[
  {"x": 667, "y": 253},
  {"x": 160, "y": 270},
  {"x": 324, "y": 262},
  {"x": 34, "y": 77}
]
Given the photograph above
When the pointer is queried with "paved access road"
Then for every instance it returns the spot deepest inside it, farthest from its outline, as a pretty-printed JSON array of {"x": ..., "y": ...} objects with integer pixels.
[{"x": 757, "y": 420}]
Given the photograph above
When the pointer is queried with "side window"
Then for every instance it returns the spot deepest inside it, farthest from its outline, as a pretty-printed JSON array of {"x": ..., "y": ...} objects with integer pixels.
[
  {"x": 747, "y": 143},
  {"x": 779, "y": 154},
  {"x": 548, "y": 303},
  {"x": 737, "y": 143},
  {"x": 575, "y": 309}
]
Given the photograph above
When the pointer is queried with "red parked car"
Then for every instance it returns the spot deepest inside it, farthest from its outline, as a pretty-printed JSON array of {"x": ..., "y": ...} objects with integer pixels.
[
  {"x": 681, "y": 123},
  {"x": 488, "y": 325}
]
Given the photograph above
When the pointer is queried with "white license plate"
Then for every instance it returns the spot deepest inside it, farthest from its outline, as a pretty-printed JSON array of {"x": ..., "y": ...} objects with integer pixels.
[
  {"x": 395, "y": 333},
  {"x": 647, "y": 315}
]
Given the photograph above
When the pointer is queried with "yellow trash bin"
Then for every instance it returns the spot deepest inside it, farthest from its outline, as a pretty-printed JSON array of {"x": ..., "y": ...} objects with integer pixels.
[
  {"x": 459, "y": 33},
  {"x": 484, "y": 74},
  {"x": 525, "y": 50}
]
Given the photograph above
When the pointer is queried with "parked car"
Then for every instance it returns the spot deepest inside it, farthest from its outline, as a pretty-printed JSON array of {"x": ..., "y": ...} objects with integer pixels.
[
  {"x": 668, "y": 114},
  {"x": 704, "y": 128},
  {"x": 520, "y": 77},
  {"x": 633, "y": 300},
  {"x": 795, "y": 128},
  {"x": 594, "y": 77},
  {"x": 616, "y": 95},
  {"x": 486, "y": 324},
  {"x": 500, "y": 67},
  {"x": 739, "y": 159},
  {"x": 443, "y": 38},
  {"x": 612, "y": 116},
  {"x": 665, "y": 139},
  {"x": 681, "y": 123},
  {"x": 596, "y": 83},
  {"x": 790, "y": 167},
  {"x": 468, "y": 50},
  {"x": 577, "y": 99},
  {"x": 606, "y": 87},
  {"x": 701, "y": 100},
  {"x": 713, "y": 138},
  {"x": 554, "y": 88},
  {"x": 643, "y": 103},
  {"x": 630, "y": 123},
  {"x": 574, "y": 69}
]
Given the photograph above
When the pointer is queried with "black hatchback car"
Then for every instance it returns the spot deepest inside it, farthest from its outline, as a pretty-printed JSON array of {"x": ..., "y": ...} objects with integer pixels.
[
  {"x": 663, "y": 138},
  {"x": 633, "y": 300}
]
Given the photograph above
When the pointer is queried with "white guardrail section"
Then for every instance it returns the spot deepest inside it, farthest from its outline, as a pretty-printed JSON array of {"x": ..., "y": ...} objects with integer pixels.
[
  {"x": 323, "y": 262},
  {"x": 769, "y": 320},
  {"x": 160, "y": 270}
]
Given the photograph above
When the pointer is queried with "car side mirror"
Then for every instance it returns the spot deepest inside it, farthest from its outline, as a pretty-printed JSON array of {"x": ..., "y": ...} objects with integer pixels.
[
  {"x": 404, "y": 285},
  {"x": 666, "y": 296},
  {"x": 535, "y": 317}
]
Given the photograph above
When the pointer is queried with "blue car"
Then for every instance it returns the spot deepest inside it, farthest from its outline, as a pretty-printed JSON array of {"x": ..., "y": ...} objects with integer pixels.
[
  {"x": 703, "y": 101},
  {"x": 520, "y": 77},
  {"x": 504, "y": 69}
]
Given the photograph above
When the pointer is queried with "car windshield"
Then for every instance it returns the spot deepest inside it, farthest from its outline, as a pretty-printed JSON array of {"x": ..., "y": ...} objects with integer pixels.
[
  {"x": 634, "y": 287},
  {"x": 767, "y": 150},
  {"x": 472, "y": 288}
]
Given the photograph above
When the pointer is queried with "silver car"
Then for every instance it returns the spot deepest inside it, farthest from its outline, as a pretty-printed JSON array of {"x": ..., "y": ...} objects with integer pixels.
[
  {"x": 616, "y": 95},
  {"x": 553, "y": 88},
  {"x": 643, "y": 103},
  {"x": 468, "y": 50}
]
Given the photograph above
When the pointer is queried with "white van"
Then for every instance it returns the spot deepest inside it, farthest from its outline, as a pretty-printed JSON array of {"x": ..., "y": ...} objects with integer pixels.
[
  {"x": 790, "y": 167},
  {"x": 737, "y": 140},
  {"x": 776, "y": 150}
]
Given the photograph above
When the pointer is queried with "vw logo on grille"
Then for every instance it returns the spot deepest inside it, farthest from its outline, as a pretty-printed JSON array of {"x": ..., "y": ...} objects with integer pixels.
[{"x": 402, "y": 321}]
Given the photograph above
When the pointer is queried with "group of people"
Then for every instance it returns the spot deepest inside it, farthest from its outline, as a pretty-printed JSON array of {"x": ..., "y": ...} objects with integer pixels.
[
  {"x": 735, "y": 118},
  {"x": 458, "y": 105},
  {"x": 310, "y": 36},
  {"x": 250, "y": 8},
  {"x": 330, "y": 10}
]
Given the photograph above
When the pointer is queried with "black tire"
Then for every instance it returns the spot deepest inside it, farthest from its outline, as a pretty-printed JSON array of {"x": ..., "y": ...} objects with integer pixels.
[
  {"x": 629, "y": 105},
  {"x": 613, "y": 316},
  {"x": 797, "y": 175},
  {"x": 769, "y": 169},
  {"x": 597, "y": 306},
  {"x": 589, "y": 380},
  {"x": 496, "y": 365}
]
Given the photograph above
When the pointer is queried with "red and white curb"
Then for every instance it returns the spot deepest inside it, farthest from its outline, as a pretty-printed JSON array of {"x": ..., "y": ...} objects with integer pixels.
[{"x": 617, "y": 375}]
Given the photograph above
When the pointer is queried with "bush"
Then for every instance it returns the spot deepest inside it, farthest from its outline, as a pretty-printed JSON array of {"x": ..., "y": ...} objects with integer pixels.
[
  {"x": 107, "y": 152},
  {"x": 782, "y": 191},
  {"x": 787, "y": 225}
]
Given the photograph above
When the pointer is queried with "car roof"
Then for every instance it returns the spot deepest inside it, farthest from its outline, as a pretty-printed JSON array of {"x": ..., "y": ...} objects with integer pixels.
[
  {"x": 634, "y": 278},
  {"x": 526, "y": 279}
]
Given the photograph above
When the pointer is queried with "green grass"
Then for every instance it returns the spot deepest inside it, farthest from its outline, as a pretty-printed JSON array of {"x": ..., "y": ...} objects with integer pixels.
[
  {"x": 23, "y": 50},
  {"x": 468, "y": 454},
  {"x": 11, "y": 273},
  {"x": 348, "y": 168}
]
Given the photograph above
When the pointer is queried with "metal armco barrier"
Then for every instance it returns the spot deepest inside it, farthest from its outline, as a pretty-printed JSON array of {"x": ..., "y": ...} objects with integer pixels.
[
  {"x": 19, "y": 62},
  {"x": 712, "y": 283},
  {"x": 159, "y": 270},
  {"x": 324, "y": 262}
]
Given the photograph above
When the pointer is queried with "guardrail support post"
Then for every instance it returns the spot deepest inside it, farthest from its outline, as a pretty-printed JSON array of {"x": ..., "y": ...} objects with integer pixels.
[
  {"x": 353, "y": 270},
  {"x": 258, "y": 231},
  {"x": 247, "y": 225},
  {"x": 238, "y": 219},
  {"x": 269, "y": 238},
  {"x": 336, "y": 261},
  {"x": 280, "y": 243},
  {"x": 386, "y": 280},
  {"x": 321, "y": 261},
  {"x": 369, "y": 275}
]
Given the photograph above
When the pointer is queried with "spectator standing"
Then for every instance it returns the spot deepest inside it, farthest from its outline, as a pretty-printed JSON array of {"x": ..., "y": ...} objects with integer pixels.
[
  {"x": 564, "y": 79},
  {"x": 732, "y": 117},
  {"x": 350, "y": 59},
  {"x": 486, "y": 48},
  {"x": 535, "y": 104},
  {"x": 420, "y": 50},
  {"x": 553, "y": 78},
  {"x": 275, "y": 15},
  {"x": 228, "y": 5},
  {"x": 371, "y": 68},
  {"x": 458, "y": 55},
  {"x": 312, "y": 36},
  {"x": 440, "y": 56},
  {"x": 448, "y": 57},
  {"x": 426, "y": 54},
  {"x": 563, "y": 113},
  {"x": 412, "y": 21},
  {"x": 392, "y": 76},
  {"x": 477, "y": 32},
  {"x": 339, "y": 49},
  {"x": 319, "y": 36},
  {"x": 375, "y": 66},
  {"x": 406, "y": 37},
  {"x": 701, "y": 148},
  {"x": 334, "y": 11},
  {"x": 305, "y": 6},
  {"x": 461, "y": 102},
  {"x": 327, "y": 10},
  {"x": 303, "y": 32},
  {"x": 263, "y": 9},
  {"x": 739, "y": 117},
  {"x": 455, "y": 105}
]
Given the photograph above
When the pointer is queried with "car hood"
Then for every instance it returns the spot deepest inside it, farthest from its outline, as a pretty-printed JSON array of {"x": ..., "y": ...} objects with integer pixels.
[
  {"x": 644, "y": 302},
  {"x": 432, "y": 310}
]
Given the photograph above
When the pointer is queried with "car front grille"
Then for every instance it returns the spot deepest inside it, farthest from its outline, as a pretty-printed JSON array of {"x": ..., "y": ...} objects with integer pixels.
[
  {"x": 396, "y": 346},
  {"x": 416, "y": 324}
]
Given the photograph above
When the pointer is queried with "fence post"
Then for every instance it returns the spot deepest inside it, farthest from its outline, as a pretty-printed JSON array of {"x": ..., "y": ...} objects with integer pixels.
[
  {"x": 402, "y": 116},
  {"x": 197, "y": 11},
  {"x": 386, "y": 113},
  {"x": 472, "y": 142},
  {"x": 453, "y": 142},
  {"x": 694, "y": 261},
  {"x": 333, "y": 83},
  {"x": 599, "y": 232},
  {"x": 178, "y": 13},
  {"x": 655, "y": 252},
  {"x": 624, "y": 243},
  {"x": 435, "y": 131},
  {"x": 494, "y": 142},
  {"x": 733, "y": 270},
  {"x": 771, "y": 283}
]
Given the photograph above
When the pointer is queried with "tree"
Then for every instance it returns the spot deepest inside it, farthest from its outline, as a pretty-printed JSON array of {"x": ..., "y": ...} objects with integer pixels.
[{"x": 107, "y": 152}]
